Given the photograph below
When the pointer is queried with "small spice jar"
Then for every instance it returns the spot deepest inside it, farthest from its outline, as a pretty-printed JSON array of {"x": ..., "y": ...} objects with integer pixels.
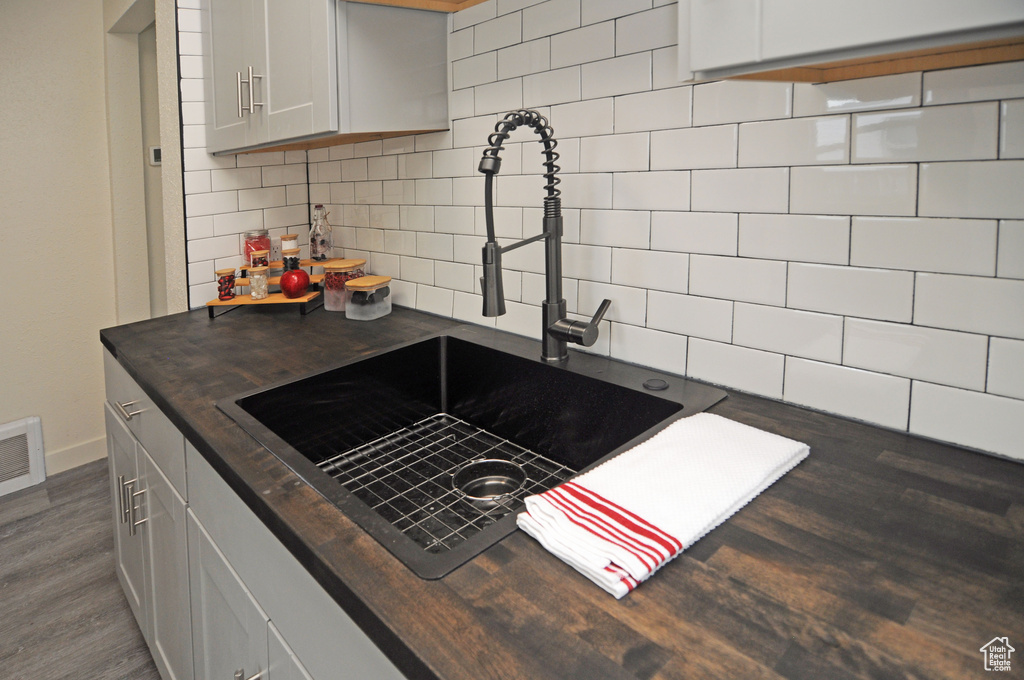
[
  {"x": 225, "y": 284},
  {"x": 290, "y": 257},
  {"x": 256, "y": 239},
  {"x": 370, "y": 298},
  {"x": 259, "y": 258},
  {"x": 289, "y": 241},
  {"x": 336, "y": 273},
  {"x": 259, "y": 286}
]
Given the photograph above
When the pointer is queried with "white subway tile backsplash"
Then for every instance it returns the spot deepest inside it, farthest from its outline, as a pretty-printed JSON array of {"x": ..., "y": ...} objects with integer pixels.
[
  {"x": 417, "y": 270},
  {"x": 852, "y": 291},
  {"x": 592, "y": 190},
  {"x": 658, "y": 190},
  {"x": 525, "y": 58},
  {"x": 945, "y": 357},
  {"x": 736, "y": 101},
  {"x": 690, "y": 315},
  {"x": 924, "y": 134},
  {"x": 584, "y": 119},
  {"x": 621, "y": 75},
  {"x": 970, "y": 303},
  {"x": 745, "y": 369},
  {"x": 477, "y": 70},
  {"x": 499, "y": 97},
  {"x": 236, "y": 178},
  {"x": 385, "y": 216},
  {"x": 497, "y": 33},
  {"x": 454, "y": 276},
  {"x": 210, "y": 204},
  {"x": 951, "y": 246},
  {"x": 982, "y": 421},
  {"x": 789, "y": 331},
  {"x": 590, "y": 43},
  {"x": 624, "y": 228},
  {"x": 865, "y": 94},
  {"x": 800, "y": 238},
  {"x": 694, "y": 232},
  {"x": 212, "y": 248},
  {"x": 354, "y": 170},
  {"x": 651, "y": 269},
  {"x": 554, "y": 16},
  {"x": 863, "y": 395},
  {"x": 460, "y": 44},
  {"x": 473, "y": 15},
  {"x": 371, "y": 192},
  {"x": 1010, "y": 262},
  {"x": 615, "y": 153},
  {"x": 694, "y": 148},
  {"x": 647, "y": 30},
  {"x": 434, "y": 300},
  {"x": 590, "y": 263},
  {"x": 435, "y": 246},
  {"x": 1011, "y": 129},
  {"x": 655, "y": 110},
  {"x": 279, "y": 175},
  {"x": 416, "y": 217},
  {"x": 434, "y": 191},
  {"x": 972, "y": 189},
  {"x": 854, "y": 190},
  {"x": 552, "y": 87},
  {"x": 976, "y": 83},
  {"x": 381, "y": 167},
  {"x": 635, "y": 345},
  {"x": 454, "y": 219},
  {"x": 738, "y": 278},
  {"x": 796, "y": 141},
  {"x": 199, "y": 227},
  {"x": 1006, "y": 368},
  {"x": 197, "y": 182},
  {"x": 741, "y": 190},
  {"x": 399, "y": 242}
]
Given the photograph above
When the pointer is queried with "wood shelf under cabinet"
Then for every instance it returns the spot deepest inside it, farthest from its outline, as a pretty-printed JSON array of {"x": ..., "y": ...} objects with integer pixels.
[
  {"x": 436, "y": 5},
  {"x": 955, "y": 56}
]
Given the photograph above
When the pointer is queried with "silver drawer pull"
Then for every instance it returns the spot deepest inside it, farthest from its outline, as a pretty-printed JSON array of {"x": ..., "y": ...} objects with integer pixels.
[
  {"x": 123, "y": 408},
  {"x": 132, "y": 522},
  {"x": 122, "y": 508},
  {"x": 240, "y": 675}
]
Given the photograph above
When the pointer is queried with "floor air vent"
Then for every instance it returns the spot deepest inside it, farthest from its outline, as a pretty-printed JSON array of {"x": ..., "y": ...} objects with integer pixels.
[{"x": 21, "y": 455}]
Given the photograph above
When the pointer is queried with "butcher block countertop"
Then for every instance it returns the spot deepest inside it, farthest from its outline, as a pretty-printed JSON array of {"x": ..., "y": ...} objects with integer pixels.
[{"x": 880, "y": 556}]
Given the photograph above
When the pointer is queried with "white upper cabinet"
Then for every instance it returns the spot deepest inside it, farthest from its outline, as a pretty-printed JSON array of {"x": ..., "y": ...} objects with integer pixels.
[
  {"x": 838, "y": 39},
  {"x": 291, "y": 71}
]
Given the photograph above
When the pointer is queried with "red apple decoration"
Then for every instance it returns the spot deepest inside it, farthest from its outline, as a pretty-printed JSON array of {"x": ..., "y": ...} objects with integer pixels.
[{"x": 294, "y": 283}]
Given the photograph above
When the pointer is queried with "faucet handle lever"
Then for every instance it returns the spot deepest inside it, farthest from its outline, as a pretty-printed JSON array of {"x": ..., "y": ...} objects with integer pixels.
[
  {"x": 580, "y": 332},
  {"x": 599, "y": 314}
]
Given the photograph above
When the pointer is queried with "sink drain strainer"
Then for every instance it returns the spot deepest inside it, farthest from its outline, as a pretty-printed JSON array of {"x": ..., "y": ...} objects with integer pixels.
[{"x": 488, "y": 480}]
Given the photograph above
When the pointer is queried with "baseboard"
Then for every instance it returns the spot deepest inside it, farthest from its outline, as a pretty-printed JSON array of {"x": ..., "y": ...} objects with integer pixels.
[{"x": 73, "y": 456}]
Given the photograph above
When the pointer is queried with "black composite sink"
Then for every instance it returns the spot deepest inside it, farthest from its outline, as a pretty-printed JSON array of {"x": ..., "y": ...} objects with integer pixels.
[{"x": 384, "y": 436}]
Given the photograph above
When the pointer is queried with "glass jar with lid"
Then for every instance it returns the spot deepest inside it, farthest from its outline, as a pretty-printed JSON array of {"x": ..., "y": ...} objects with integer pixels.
[
  {"x": 321, "y": 243},
  {"x": 289, "y": 241},
  {"x": 336, "y": 274},
  {"x": 290, "y": 258},
  {"x": 259, "y": 258},
  {"x": 225, "y": 283},
  {"x": 370, "y": 298},
  {"x": 259, "y": 285},
  {"x": 255, "y": 239}
]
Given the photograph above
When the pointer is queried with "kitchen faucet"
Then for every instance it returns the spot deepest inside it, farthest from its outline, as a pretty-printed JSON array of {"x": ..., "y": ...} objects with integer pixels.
[{"x": 556, "y": 330}]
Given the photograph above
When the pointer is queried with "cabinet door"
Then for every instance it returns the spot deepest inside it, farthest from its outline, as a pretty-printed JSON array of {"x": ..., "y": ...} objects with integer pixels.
[
  {"x": 229, "y": 630},
  {"x": 129, "y": 550},
  {"x": 283, "y": 663},
  {"x": 296, "y": 48},
  {"x": 227, "y": 52},
  {"x": 167, "y": 552},
  {"x": 723, "y": 33}
]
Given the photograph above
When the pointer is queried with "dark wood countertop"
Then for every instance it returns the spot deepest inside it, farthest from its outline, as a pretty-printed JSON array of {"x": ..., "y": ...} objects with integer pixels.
[{"x": 880, "y": 556}]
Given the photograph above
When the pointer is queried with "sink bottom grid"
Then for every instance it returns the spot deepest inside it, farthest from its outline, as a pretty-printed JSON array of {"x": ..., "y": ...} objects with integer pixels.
[{"x": 406, "y": 477}]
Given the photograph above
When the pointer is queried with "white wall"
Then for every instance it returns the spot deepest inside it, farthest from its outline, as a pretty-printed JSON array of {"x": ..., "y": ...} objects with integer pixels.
[
  {"x": 856, "y": 247},
  {"x": 55, "y": 223}
]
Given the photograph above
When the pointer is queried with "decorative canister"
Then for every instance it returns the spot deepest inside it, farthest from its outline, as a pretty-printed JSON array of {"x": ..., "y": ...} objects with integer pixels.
[
  {"x": 290, "y": 257},
  {"x": 289, "y": 241},
  {"x": 320, "y": 238},
  {"x": 370, "y": 298},
  {"x": 258, "y": 283},
  {"x": 225, "y": 284},
  {"x": 259, "y": 258},
  {"x": 336, "y": 273},
  {"x": 256, "y": 239}
]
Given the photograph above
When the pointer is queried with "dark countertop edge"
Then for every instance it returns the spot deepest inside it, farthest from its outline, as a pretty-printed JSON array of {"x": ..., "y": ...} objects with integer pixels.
[{"x": 387, "y": 640}]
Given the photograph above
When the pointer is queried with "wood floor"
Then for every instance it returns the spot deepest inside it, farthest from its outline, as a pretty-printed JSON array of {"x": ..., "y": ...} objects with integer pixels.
[{"x": 62, "y": 612}]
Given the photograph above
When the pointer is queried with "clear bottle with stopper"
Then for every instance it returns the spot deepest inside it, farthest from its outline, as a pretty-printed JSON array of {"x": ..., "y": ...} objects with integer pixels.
[{"x": 320, "y": 242}]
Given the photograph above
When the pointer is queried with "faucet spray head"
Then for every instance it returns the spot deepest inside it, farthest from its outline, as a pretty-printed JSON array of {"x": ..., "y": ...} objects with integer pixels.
[{"x": 490, "y": 282}]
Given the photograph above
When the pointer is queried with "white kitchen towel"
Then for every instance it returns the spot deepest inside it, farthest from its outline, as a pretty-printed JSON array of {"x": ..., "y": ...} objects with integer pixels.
[{"x": 620, "y": 522}]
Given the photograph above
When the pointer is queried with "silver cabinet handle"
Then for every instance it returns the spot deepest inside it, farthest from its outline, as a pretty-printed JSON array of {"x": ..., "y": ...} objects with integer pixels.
[
  {"x": 122, "y": 507},
  {"x": 253, "y": 104},
  {"x": 123, "y": 408},
  {"x": 238, "y": 82},
  {"x": 132, "y": 495},
  {"x": 240, "y": 675}
]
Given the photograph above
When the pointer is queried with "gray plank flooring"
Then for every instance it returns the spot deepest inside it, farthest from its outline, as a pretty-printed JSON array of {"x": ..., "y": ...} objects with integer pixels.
[{"x": 62, "y": 612}]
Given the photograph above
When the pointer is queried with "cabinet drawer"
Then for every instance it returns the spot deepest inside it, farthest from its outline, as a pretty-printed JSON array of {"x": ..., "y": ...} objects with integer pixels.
[{"x": 164, "y": 443}]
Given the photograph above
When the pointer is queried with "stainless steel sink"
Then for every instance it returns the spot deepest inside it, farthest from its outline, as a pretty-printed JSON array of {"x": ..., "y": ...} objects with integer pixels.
[{"x": 397, "y": 439}]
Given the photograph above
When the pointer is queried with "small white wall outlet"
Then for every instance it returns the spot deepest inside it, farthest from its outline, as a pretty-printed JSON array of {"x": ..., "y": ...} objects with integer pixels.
[{"x": 275, "y": 248}]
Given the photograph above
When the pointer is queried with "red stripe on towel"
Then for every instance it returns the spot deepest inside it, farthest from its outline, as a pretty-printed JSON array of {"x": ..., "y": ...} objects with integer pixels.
[
  {"x": 627, "y": 519},
  {"x": 599, "y": 525}
]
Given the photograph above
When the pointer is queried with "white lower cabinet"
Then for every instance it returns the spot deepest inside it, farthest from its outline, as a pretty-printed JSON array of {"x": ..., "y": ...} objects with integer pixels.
[{"x": 216, "y": 595}]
